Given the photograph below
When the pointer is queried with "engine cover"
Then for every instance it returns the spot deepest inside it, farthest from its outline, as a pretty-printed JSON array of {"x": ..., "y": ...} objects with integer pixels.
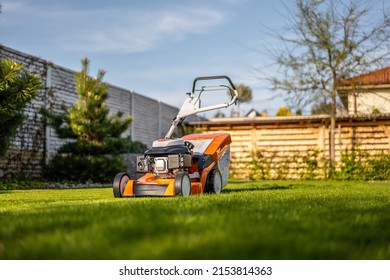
[{"x": 166, "y": 158}]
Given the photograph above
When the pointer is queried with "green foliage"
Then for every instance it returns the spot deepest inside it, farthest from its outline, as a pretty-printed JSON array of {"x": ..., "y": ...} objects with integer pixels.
[
  {"x": 89, "y": 118},
  {"x": 136, "y": 147},
  {"x": 266, "y": 165},
  {"x": 17, "y": 88},
  {"x": 77, "y": 168},
  {"x": 12, "y": 184},
  {"x": 248, "y": 220},
  {"x": 244, "y": 96},
  {"x": 244, "y": 93},
  {"x": 351, "y": 167},
  {"x": 21, "y": 182},
  {"x": 97, "y": 134},
  {"x": 259, "y": 167},
  {"x": 312, "y": 164},
  {"x": 283, "y": 112},
  {"x": 359, "y": 165},
  {"x": 379, "y": 167},
  {"x": 298, "y": 112},
  {"x": 322, "y": 107},
  {"x": 354, "y": 164}
]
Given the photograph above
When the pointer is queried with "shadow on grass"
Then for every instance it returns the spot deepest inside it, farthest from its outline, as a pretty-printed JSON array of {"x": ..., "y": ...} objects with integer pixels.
[{"x": 257, "y": 188}]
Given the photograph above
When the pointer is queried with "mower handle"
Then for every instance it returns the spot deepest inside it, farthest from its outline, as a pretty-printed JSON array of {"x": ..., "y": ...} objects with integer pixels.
[
  {"x": 212, "y": 78},
  {"x": 232, "y": 89},
  {"x": 191, "y": 106}
]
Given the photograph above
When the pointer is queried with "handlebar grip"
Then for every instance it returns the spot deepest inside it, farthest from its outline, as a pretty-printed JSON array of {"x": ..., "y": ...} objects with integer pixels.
[{"x": 213, "y": 78}]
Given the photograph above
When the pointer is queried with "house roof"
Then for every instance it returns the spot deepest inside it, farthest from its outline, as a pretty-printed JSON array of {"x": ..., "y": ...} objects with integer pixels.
[
  {"x": 377, "y": 77},
  {"x": 253, "y": 112}
]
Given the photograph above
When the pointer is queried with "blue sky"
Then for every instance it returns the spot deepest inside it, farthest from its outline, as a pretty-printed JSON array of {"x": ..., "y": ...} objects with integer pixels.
[{"x": 155, "y": 48}]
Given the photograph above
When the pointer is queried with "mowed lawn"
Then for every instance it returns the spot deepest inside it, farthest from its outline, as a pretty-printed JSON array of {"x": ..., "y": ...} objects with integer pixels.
[{"x": 249, "y": 220}]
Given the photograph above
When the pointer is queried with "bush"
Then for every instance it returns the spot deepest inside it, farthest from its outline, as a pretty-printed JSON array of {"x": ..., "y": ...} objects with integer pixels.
[
  {"x": 76, "y": 168},
  {"x": 136, "y": 147},
  {"x": 21, "y": 181}
]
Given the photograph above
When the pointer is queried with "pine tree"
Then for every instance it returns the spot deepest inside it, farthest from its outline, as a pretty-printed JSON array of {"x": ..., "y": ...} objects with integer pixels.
[
  {"x": 17, "y": 88},
  {"x": 95, "y": 153}
]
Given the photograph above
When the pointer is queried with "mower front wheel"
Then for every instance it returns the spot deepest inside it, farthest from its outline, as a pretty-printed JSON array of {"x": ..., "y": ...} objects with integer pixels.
[
  {"x": 182, "y": 184},
  {"x": 119, "y": 184},
  {"x": 214, "y": 184}
]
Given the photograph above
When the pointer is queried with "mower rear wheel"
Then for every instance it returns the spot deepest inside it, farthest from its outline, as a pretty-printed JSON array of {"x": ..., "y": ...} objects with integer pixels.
[
  {"x": 119, "y": 184},
  {"x": 182, "y": 184},
  {"x": 214, "y": 184}
]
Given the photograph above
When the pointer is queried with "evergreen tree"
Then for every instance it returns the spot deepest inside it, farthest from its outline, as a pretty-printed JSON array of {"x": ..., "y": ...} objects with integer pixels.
[
  {"x": 94, "y": 155},
  {"x": 17, "y": 88}
]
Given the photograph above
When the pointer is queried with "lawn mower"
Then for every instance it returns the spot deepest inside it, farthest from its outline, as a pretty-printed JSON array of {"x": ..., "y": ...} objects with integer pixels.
[{"x": 193, "y": 164}]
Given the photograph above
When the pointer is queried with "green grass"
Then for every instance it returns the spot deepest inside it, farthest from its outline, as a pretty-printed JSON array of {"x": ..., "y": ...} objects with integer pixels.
[{"x": 249, "y": 220}]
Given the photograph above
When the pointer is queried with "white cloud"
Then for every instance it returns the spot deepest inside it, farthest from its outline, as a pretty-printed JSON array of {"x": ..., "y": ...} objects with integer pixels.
[
  {"x": 191, "y": 20},
  {"x": 114, "y": 29},
  {"x": 20, "y": 13},
  {"x": 125, "y": 30},
  {"x": 129, "y": 31}
]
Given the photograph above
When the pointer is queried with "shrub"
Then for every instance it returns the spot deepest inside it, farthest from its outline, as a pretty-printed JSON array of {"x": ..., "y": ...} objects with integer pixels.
[
  {"x": 76, "y": 168},
  {"x": 17, "y": 88},
  {"x": 95, "y": 153}
]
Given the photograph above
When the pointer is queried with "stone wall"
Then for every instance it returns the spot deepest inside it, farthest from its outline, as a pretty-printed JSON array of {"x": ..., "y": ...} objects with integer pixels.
[{"x": 35, "y": 142}]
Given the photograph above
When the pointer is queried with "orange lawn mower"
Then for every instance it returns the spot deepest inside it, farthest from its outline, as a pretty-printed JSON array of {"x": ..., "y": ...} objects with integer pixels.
[{"x": 193, "y": 164}]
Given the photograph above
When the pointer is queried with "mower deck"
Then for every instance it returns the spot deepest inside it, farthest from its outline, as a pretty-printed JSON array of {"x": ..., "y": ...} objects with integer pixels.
[{"x": 210, "y": 152}]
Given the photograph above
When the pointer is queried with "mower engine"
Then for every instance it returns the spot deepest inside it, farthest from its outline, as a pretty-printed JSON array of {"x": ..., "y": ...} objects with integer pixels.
[{"x": 166, "y": 158}]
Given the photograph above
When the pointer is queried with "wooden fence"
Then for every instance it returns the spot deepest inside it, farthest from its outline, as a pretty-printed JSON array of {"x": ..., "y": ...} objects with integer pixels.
[{"x": 297, "y": 147}]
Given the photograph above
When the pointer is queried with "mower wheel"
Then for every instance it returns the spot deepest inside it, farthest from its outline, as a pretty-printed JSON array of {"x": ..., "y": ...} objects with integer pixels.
[
  {"x": 214, "y": 184},
  {"x": 182, "y": 184},
  {"x": 119, "y": 184}
]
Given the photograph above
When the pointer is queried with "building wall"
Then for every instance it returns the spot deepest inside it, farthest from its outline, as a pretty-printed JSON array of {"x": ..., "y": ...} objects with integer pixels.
[
  {"x": 369, "y": 101},
  {"x": 296, "y": 147},
  {"x": 35, "y": 142}
]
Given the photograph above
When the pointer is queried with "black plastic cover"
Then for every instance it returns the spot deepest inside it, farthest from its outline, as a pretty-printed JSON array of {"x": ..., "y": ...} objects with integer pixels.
[
  {"x": 203, "y": 160},
  {"x": 149, "y": 189},
  {"x": 179, "y": 149}
]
